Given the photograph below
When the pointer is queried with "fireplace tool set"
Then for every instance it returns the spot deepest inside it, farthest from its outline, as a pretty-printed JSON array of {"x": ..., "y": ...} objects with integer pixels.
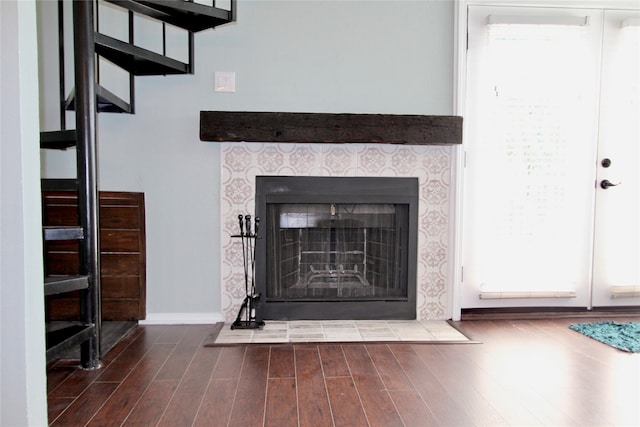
[{"x": 246, "y": 318}]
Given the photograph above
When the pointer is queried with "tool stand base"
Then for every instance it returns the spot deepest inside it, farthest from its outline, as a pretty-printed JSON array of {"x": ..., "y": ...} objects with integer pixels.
[{"x": 247, "y": 324}]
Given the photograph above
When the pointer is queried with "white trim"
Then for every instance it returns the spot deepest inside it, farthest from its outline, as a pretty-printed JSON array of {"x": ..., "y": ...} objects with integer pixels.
[
  {"x": 457, "y": 164},
  {"x": 575, "y": 4},
  {"x": 182, "y": 319},
  {"x": 578, "y": 21},
  {"x": 527, "y": 294}
]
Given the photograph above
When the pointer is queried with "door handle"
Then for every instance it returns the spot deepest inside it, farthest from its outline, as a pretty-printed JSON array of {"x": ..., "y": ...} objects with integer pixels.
[{"x": 605, "y": 183}]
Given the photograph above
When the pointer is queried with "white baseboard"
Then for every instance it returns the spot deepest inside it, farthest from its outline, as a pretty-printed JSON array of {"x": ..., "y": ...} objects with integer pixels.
[{"x": 182, "y": 319}]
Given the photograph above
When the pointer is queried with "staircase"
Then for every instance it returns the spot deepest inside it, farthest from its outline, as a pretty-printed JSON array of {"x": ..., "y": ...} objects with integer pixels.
[{"x": 87, "y": 98}]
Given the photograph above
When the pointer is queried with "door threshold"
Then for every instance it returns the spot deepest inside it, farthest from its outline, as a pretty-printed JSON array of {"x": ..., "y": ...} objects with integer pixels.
[{"x": 524, "y": 313}]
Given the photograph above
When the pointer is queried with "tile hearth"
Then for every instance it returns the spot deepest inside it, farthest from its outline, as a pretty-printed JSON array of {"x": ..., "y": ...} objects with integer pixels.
[{"x": 344, "y": 331}]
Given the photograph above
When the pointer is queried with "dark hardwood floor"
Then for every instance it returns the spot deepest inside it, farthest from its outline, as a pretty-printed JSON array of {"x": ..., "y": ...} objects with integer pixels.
[{"x": 525, "y": 372}]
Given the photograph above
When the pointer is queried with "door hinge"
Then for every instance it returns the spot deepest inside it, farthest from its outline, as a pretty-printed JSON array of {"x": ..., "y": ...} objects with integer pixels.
[{"x": 467, "y": 29}]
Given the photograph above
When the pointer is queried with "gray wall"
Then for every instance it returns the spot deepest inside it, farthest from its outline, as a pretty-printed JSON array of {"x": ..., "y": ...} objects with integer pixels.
[
  {"x": 22, "y": 344},
  {"x": 303, "y": 56}
]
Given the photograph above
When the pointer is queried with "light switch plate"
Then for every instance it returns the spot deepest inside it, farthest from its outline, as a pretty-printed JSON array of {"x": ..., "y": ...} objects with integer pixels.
[{"x": 225, "y": 81}]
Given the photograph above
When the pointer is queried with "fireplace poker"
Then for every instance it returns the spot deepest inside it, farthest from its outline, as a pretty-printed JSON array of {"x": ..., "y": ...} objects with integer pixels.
[
  {"x": 254, "y": 297},
  {"x": 244, "y": 256},
  {"x": 249, "y": 236},
  {"x": 256, "y": 227}
]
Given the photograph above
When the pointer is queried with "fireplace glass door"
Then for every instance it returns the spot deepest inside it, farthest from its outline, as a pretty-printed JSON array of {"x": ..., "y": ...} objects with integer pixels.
[
  {"x": 336, "y": 251},
  {"x": 336, "y": 247}
]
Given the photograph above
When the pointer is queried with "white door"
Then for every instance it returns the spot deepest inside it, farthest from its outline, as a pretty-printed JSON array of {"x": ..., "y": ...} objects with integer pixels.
[
  {"x": 616, "y": 260},
  {"x": 532, "y": 121}
]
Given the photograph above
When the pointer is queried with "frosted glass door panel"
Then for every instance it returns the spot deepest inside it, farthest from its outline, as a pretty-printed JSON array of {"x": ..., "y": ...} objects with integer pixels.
[
  {"x": 616, "y": 271},
  {"x": 531, "y": 140}
]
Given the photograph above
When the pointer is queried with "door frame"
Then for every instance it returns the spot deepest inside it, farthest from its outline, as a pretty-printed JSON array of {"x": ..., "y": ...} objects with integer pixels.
[{"x": 459, "y": 106}]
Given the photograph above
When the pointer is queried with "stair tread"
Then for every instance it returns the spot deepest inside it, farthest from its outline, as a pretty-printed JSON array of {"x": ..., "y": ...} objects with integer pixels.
[
  {"x": 62, "y": 340},
  {"x": 60, "y": 284},
  {"x": 72, "y": 232},
  {"x": 59, "y": 184},
  {"x": 107, "y": 101},
  {"x": 188, "y": 15},
  {"x": 136, "y": 60},
  {"x": 58, "y": 139}
]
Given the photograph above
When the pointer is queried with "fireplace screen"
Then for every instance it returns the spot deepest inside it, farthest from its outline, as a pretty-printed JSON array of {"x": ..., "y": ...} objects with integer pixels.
[
  {"x": 333, "y": 251},
  {"x": 336, "y": 247}
]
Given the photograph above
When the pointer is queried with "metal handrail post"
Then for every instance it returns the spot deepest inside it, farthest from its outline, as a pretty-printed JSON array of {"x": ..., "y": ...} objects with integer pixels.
[{"x": 84, "y": 66}]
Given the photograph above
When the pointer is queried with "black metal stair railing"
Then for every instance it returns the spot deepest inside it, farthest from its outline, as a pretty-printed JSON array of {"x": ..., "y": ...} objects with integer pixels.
[
  {"x": 87, "y": 98},
  {"x": 191, "y": 16},
  {"x": 138, "y": 61},
  {"x": 86, "y": 332}
]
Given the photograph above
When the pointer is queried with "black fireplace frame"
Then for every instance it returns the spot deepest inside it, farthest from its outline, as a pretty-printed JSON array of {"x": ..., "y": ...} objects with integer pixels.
[{"x": 317, "y": 189}]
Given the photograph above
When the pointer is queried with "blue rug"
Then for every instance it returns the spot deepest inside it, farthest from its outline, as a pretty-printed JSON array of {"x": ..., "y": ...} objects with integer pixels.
[{"x": 621, "y": 335}]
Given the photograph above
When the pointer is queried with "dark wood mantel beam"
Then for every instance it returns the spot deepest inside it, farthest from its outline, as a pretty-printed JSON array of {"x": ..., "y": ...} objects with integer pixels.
[{"x": 237, "y": 126}]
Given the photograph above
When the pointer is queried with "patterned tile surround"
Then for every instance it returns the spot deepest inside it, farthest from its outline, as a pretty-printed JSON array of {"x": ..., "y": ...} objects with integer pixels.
[{"x": 242, "y": 162}]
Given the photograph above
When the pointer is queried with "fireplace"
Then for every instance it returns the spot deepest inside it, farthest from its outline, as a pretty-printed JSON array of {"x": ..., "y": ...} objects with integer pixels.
[
  {"x": 339, "y": 145},
  {"x": 336, "y": 247},
  {"x": 431, "y": 165}
]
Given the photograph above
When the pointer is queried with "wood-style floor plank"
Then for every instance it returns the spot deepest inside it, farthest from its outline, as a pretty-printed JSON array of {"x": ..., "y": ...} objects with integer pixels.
[
  {"x": 216, "y": 405},
  {"x": 184, "y": 404},
  {"x": 182, "y": 355},
  {"x": 569, "y": 370},
  {"x": 123, "y": 344},
  {"x": 74, "y": 383},
  {"x": 124, "y": 399},
  {"x": 454, "y": 378},
  {"x": 505, "y": 368},
  {"x": 57, "y": 405},
  {"x": 152, "y": 404},
  {"x": 333, "y": 362},
  {"x": 541, "y": 367},
  {"x": 412, "y": 409},
  {"x": 345, "y": 402},
  {"x": 281, "y": 362},
  {"x": 376, "y": 402},
  {"x": 58, "y": 372},
  {"x": 122, "y": 365},
  {"x": 171, "y": 334},
  {"x": 230, "y": 363},
  {"x": 249, "y": 402},
  {"x": 392, "y": 375},
  {"x": 524, "y": 372},
  {"x": 281, "y": 406},
  {"x": 442, "y": 405},
  {"x": 87, "y": 404},
  {"x": 313, "y": 402}
]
